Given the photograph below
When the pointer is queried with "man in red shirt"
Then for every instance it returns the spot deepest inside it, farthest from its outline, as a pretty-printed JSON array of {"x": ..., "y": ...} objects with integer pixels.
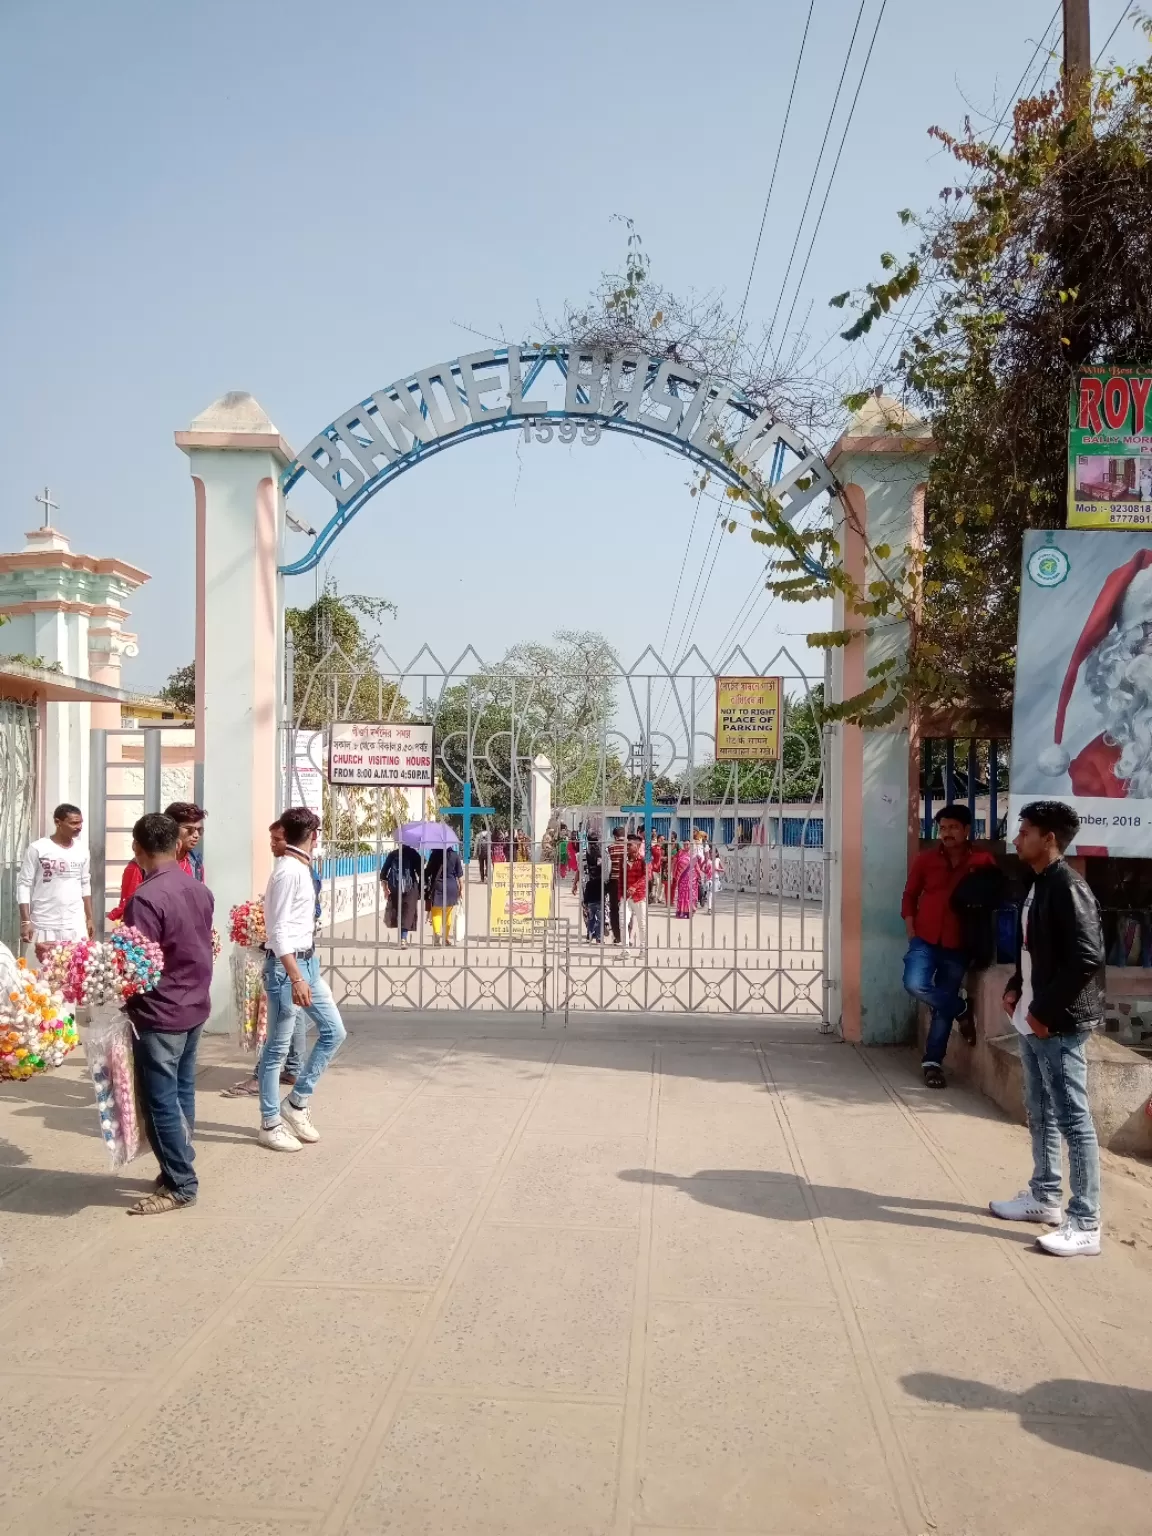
[{"x": 935, "y": 964}]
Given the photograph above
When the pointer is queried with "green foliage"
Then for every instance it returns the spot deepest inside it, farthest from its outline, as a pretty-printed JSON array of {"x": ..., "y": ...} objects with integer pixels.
[
  {"x": 1037, "y": 261},
  {"x": 336, "y": 675},
  {"x": 558, "y": 699},
  {"x": 21, "y": 660},
  {"x": 180, "y": 689}
]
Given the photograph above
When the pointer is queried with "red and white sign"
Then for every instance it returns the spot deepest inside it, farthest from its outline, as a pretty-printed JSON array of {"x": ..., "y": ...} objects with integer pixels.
[{"x": 387, "y": 754}]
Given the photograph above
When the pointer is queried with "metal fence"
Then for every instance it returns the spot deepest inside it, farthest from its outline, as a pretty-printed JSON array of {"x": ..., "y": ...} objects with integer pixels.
[
  {"x": 597, "y": 747},
  {"x": 18, "y": 747}
]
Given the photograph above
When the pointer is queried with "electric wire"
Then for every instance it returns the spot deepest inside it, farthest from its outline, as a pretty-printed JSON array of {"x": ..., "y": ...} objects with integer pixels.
[
  {"x": 812, "y": 183},
  {"x": 747, "y": 290},
  {"x": 1124, "y": 14},
  {"x": 883, "y": 356},
  {"x": 775, "y": 165},
  {"x": 831, "y": 179}
]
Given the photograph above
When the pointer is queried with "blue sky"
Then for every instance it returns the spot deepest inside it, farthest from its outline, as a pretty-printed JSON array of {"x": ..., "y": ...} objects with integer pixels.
[{"x": 308, "y": 202}]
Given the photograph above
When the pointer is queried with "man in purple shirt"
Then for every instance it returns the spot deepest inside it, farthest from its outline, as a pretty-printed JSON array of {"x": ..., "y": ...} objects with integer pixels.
[{"x": 176, "y": 911}]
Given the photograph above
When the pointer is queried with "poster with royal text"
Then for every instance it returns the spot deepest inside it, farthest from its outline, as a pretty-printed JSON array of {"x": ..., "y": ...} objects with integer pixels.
[{"x": 1110, "y": 449}]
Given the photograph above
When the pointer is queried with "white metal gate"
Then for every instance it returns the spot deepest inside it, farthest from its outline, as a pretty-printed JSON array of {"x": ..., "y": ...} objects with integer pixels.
[
  {"x": 613, "y": 739},
  {"x": 18, "y": 741}
]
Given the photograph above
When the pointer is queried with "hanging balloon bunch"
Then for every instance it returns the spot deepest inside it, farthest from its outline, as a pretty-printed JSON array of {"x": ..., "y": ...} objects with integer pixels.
[{"x": 89, "y": 972}]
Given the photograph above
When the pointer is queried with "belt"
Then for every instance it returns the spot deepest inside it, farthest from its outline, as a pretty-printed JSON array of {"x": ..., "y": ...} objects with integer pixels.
[{"x": 297, "y": 954}]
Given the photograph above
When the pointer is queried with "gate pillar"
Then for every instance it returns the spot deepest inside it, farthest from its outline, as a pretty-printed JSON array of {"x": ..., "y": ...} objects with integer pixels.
[
  {"x": 235, "y": 456},
  {"x": 873, "y": 795}
]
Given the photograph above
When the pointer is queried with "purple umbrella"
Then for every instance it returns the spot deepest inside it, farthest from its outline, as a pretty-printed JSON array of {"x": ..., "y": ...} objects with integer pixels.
[{"x": 427, "y": 834}]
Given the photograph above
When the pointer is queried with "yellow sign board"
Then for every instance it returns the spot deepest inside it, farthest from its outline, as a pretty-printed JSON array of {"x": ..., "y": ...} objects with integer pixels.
[
  {"x": 520, "y": 892},
  {"x": 747, "y": 719}
]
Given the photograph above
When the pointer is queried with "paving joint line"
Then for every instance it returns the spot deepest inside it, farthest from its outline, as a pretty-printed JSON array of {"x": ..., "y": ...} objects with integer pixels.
[
  {"x": 911, "y": 1503},
  {"x": 177, "y": 1366},
  {"x": 383, "y": 1418}
]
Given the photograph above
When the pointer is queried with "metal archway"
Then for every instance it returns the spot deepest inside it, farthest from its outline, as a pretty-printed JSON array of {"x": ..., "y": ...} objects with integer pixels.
[{"x": 640, "y": 394}]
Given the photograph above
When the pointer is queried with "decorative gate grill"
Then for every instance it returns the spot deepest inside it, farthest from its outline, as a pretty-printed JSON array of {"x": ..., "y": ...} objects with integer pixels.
[
  {"x": 600, "y": 742},
  {"x": 17, "y": 807}
]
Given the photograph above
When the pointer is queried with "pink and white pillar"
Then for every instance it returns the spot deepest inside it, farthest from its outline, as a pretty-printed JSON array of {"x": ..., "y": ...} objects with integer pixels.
[
  {"x": 872, "y": 802},
  {"x": 236, "y": 456}
]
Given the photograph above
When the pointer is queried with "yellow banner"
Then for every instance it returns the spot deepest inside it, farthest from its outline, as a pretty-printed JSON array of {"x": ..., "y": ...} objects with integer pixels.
[
  {"x": 522, "y": 890},
  {"x": 747, "y": 719}
]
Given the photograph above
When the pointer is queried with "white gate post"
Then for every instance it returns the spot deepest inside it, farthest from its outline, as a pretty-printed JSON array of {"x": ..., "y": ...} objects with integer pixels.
[
  {"x": 236, "y": 456},
  {"x": 873, "y": 806}
]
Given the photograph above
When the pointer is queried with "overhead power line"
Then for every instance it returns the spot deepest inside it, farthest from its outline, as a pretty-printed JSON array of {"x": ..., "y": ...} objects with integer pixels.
[
  {"x": 887, "y": 349},
  {"x": 747, "y": 290},
  {"x": 815, "y": 174},
  {"x": 1124, "y": 14},
  {"x": 776, "y": 163},
  {"x": 831, "y": 179}
]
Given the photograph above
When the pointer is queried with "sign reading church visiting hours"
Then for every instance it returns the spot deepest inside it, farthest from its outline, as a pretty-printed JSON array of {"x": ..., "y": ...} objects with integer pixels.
[
  {"x": 747, "y": 719},
  {"x": 1110, "y": 449},
  {"x": 386, "y": 754}
]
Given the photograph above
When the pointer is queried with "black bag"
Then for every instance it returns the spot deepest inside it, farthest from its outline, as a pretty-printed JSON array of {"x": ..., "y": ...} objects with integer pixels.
[{"x": 976, "y": 902}]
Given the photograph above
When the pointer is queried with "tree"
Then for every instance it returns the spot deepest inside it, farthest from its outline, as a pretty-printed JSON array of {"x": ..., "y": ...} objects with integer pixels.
[
  {"x": 558, "y": 700},
  {"x": 180, "y": 689},
  {"x": 336, "y": 674},
  {"x": 1036, "y": 262}
]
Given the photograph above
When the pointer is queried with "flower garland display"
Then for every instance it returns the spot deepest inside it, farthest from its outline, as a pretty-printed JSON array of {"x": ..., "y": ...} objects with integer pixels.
[
  {"x": 37, "y": 1029},
  {"x": 247, "y": 923},
  {"x": 108, "y": 1046},
  {"x": 248, "y": 933},
  {"x": 90, "y": 972},
  {"x": 217, "y": 946},
  {"x": 101, "y": 975}
]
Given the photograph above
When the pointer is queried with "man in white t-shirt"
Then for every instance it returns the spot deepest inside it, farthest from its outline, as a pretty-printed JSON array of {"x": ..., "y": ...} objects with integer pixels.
[{"x": 55, "y": 885}]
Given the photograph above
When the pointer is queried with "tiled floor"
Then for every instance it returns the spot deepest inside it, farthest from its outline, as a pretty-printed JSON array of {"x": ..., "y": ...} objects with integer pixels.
[{"x": 641, "y": 1275}]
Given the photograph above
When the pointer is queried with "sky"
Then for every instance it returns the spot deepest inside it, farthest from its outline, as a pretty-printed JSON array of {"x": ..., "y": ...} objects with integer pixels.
[{"x": 308, "y": 202}]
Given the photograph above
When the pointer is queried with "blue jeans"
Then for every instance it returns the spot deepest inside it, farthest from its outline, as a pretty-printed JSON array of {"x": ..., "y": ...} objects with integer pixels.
[
  {"x": 283, "y": 1015},
  {"x": 294, "y": 1061},
  {"x": 933, "y": 975},
  {"x": 1056, "y": 1098},
  {"x": 165, "y": 1064}
]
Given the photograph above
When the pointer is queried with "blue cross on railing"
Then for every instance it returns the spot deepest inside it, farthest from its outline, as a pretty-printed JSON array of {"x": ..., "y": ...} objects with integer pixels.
[
  {"x": 649, "y": 810},
  {"x": 466, "y": 813}
]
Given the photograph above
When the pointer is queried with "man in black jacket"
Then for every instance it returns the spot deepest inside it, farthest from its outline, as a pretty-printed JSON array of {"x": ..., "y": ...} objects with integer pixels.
[{"x": 1054, "y": 999}]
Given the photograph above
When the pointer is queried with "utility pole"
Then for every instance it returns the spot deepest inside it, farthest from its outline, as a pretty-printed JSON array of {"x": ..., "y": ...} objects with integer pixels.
[{"x": 1077, "y": 53}]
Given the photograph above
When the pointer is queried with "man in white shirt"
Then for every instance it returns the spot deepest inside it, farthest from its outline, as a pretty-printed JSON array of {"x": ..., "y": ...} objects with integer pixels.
[
  {"x": 54, "y": 890},
  {"x": 292, "y": 981}
]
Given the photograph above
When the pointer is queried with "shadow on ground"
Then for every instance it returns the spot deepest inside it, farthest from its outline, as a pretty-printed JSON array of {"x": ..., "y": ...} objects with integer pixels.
[
  {"x": 1062, "y": 1413},
  {"x": 53, "y": 1192},
  {"x": 746, "y": 1190}
]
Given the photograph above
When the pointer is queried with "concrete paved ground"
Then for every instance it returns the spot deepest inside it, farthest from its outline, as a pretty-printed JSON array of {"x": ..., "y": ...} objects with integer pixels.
[{"x": 640, "y": 1276}]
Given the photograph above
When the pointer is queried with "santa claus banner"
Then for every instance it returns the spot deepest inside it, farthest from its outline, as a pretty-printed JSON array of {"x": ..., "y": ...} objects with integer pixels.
[
  {"x": 1110, "y": 449},
  {"x": 1082, "y": 714}
]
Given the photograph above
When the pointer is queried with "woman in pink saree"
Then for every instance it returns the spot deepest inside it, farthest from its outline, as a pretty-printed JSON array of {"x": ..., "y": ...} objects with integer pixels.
[{"x": 686, "y": 881}]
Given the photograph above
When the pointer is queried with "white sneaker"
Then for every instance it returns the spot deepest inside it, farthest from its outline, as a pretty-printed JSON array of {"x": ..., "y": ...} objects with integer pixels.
[
  {"x": 1025, "y": 1207},
  {"x": 1069, "y": 1242},
  {"x": 299, "y": 1122},
  {"x": 278, "y": 1138}
]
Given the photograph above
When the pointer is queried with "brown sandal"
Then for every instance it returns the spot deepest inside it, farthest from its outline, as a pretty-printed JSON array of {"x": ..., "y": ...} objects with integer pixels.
[
  {"x": 246, "y": 1088},
  {"x": 159, "y": 1201}
]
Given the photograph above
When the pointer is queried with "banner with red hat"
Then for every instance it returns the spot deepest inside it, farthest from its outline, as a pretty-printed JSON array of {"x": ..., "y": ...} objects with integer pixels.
[
  {"x": 1110, "y": 448},
  {"x": 1082, "y": 712}
]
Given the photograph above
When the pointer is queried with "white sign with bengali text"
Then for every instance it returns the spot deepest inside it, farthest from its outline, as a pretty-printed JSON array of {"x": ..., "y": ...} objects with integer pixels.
[{"x": 381, "y": 754}]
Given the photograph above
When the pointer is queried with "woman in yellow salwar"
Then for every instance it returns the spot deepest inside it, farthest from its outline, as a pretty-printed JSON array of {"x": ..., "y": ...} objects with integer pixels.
[{"x": 442, "y": 881}]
